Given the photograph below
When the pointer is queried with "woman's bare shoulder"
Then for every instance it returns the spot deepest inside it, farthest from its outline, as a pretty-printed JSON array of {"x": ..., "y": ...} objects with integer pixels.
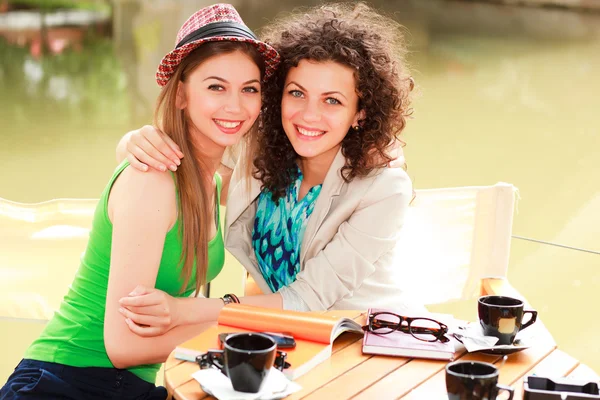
[{"x": 151, "y": 191}]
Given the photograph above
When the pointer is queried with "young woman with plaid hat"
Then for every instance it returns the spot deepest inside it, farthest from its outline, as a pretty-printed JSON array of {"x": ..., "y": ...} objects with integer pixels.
[
  {"x": 150, "y": 228},
  {"x": 317, "y": 222}
]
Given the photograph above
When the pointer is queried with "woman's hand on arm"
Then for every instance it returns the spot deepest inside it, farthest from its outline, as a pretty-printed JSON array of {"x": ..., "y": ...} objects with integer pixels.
[
  {"x": 149, "y": 147},
  {"x": 151, "y": 312}
]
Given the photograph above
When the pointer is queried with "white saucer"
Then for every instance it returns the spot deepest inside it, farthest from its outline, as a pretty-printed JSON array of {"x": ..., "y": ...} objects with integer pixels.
[
  {"x": 521, "y": 343},
  {"x": 505, "y": 349},
  {"x": 214, "y": 383}
]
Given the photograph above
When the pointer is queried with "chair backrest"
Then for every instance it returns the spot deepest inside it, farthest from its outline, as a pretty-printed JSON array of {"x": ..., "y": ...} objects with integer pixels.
[
  {"x": 41, "y": 244},
  {"x": 452, "y": 238}
]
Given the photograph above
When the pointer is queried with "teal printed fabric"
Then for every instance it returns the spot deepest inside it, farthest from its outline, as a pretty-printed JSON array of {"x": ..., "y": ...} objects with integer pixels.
[{"x": 278, "y": 232}]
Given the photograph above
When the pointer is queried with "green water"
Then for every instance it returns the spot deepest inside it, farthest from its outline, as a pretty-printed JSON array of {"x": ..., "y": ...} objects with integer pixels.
[{"x": 505, "y": 94}]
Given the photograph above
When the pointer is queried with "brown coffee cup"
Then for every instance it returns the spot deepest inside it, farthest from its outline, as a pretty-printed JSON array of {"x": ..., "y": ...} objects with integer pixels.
[{"x": 502, "y": 317}]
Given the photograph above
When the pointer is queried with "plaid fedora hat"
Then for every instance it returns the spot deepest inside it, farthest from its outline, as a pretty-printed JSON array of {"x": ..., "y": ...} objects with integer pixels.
[{"x": 218, "y": 22}]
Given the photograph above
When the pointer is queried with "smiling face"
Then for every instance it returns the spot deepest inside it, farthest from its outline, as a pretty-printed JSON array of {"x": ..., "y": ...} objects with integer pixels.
[
  {"x": 319, "y": 106},
  {"x": 222, "y": 99}
]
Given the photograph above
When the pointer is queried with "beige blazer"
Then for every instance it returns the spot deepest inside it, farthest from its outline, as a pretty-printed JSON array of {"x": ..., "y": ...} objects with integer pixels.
[{"x": 349, "y": 241}]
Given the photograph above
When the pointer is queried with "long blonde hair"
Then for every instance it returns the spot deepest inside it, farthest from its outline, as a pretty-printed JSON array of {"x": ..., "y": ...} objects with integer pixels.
[{"x": 191, "y": 178}]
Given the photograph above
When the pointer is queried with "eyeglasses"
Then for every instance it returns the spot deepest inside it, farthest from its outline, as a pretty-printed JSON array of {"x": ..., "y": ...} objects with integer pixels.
[{"x": 425, "y": 329}]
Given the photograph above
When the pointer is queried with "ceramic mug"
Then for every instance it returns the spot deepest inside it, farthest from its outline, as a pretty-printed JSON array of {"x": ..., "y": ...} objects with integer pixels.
[
  {"x": 502, "y": 317},
  {"x": 246, "y": 358},
  {"x": 471, "y": 380}
]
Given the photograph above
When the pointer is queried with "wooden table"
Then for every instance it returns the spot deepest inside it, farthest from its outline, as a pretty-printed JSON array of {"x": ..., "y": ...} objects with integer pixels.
[{"x": 351, "y": 374}]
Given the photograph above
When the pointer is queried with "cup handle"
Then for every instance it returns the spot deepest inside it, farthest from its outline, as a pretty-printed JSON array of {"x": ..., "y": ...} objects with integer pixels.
[
  {"x": 280, "y": 361},
  {"x": 511, "y": 391},
  {"x": 531, "y": 320},
  {"x": 212, "y": 357}
]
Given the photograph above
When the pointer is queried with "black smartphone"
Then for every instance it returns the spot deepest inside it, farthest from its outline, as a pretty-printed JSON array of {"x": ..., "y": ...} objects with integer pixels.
[{"x": 284, "y": 340}]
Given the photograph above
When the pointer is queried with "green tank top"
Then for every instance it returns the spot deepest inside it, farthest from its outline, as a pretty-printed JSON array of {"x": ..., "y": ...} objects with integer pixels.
[{"x": 75, "y": 334}]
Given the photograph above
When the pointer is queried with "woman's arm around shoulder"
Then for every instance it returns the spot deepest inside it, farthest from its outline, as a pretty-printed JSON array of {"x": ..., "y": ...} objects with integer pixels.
[{"x": 148, "y": 146}]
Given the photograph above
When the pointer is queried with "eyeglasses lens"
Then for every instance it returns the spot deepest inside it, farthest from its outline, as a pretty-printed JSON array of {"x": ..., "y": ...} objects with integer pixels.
[
  {"x": 425, "y": 329},
  {"x": 384, "y": 323}
]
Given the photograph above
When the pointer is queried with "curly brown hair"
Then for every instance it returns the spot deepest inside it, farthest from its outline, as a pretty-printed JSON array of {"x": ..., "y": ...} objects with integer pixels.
[{"x": 354, "y": 35}]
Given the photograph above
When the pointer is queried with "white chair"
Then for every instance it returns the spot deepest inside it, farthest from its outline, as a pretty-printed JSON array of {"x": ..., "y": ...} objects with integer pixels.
[
  {"x": 453, "y": 238},
  {"x": 453, "y": 241},
  {"x": 41, "y": 244}
]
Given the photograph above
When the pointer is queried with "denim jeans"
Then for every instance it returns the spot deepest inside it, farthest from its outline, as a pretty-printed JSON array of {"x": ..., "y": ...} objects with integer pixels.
[{"x": 43, "y": 380}]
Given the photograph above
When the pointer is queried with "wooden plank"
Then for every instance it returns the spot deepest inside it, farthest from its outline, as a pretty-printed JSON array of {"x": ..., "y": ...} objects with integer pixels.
[
  {"x": 328, "y": 370},
  {"x": 519, "y": 364},
  {"x": 402, "y": 380},
  {"x": 191, "y": 391},
  {"x": 180, "y": 374},
  {"x": 516, "y": 366},
  {"x": 346, "y": 353},
  {"x": 171, "y": 362},
  {"x": 358, "y": 378},
  {"x": 584, "y": 373},
  {"x": 557, "y": 364},
  {"x": 435, "y": 387}
]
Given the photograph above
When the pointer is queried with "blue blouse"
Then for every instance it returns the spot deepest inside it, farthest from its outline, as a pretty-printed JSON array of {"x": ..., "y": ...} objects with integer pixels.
[{"x": 278, "y": 232}]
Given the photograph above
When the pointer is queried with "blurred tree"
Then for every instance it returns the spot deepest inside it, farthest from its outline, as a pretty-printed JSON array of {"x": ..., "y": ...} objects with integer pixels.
[
  {"x": 82, "y": 85},
  {"x": 59, "y": 4}
]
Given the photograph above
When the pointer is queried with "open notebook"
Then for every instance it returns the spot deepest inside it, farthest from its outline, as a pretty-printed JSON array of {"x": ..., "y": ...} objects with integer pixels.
[
  {"x": 314, "y": 333},
  {"x": 405, "y": 345}
]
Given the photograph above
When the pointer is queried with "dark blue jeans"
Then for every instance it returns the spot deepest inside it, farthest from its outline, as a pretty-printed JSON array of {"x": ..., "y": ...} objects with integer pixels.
[{"x": 43, "y": 380}]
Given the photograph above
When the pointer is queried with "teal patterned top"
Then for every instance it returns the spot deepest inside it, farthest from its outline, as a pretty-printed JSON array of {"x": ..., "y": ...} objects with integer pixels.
[{"x": 278, "y": 233}]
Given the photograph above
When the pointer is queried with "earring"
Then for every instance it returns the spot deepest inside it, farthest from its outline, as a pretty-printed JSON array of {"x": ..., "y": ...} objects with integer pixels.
[{"x": 356, "y": 128}]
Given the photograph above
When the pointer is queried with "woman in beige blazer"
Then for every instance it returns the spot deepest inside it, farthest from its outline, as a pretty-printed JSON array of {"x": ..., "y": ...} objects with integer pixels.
[
  {"x": 348, "y": 246},
  {"x": 340, "y": 98}
]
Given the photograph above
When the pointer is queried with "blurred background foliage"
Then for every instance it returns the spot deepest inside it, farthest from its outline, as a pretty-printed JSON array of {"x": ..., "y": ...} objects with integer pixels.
[
  {"x": 47, "y": 5},
  {"x": 77, "y": 86}
]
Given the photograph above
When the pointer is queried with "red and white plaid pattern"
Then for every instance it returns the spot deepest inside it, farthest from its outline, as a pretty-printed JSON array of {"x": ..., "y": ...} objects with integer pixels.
[{"x": 202, "y": 17}]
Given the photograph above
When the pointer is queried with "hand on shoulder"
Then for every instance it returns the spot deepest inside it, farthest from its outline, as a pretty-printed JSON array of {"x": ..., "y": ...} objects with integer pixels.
[{"x": 149, "y": 147}]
